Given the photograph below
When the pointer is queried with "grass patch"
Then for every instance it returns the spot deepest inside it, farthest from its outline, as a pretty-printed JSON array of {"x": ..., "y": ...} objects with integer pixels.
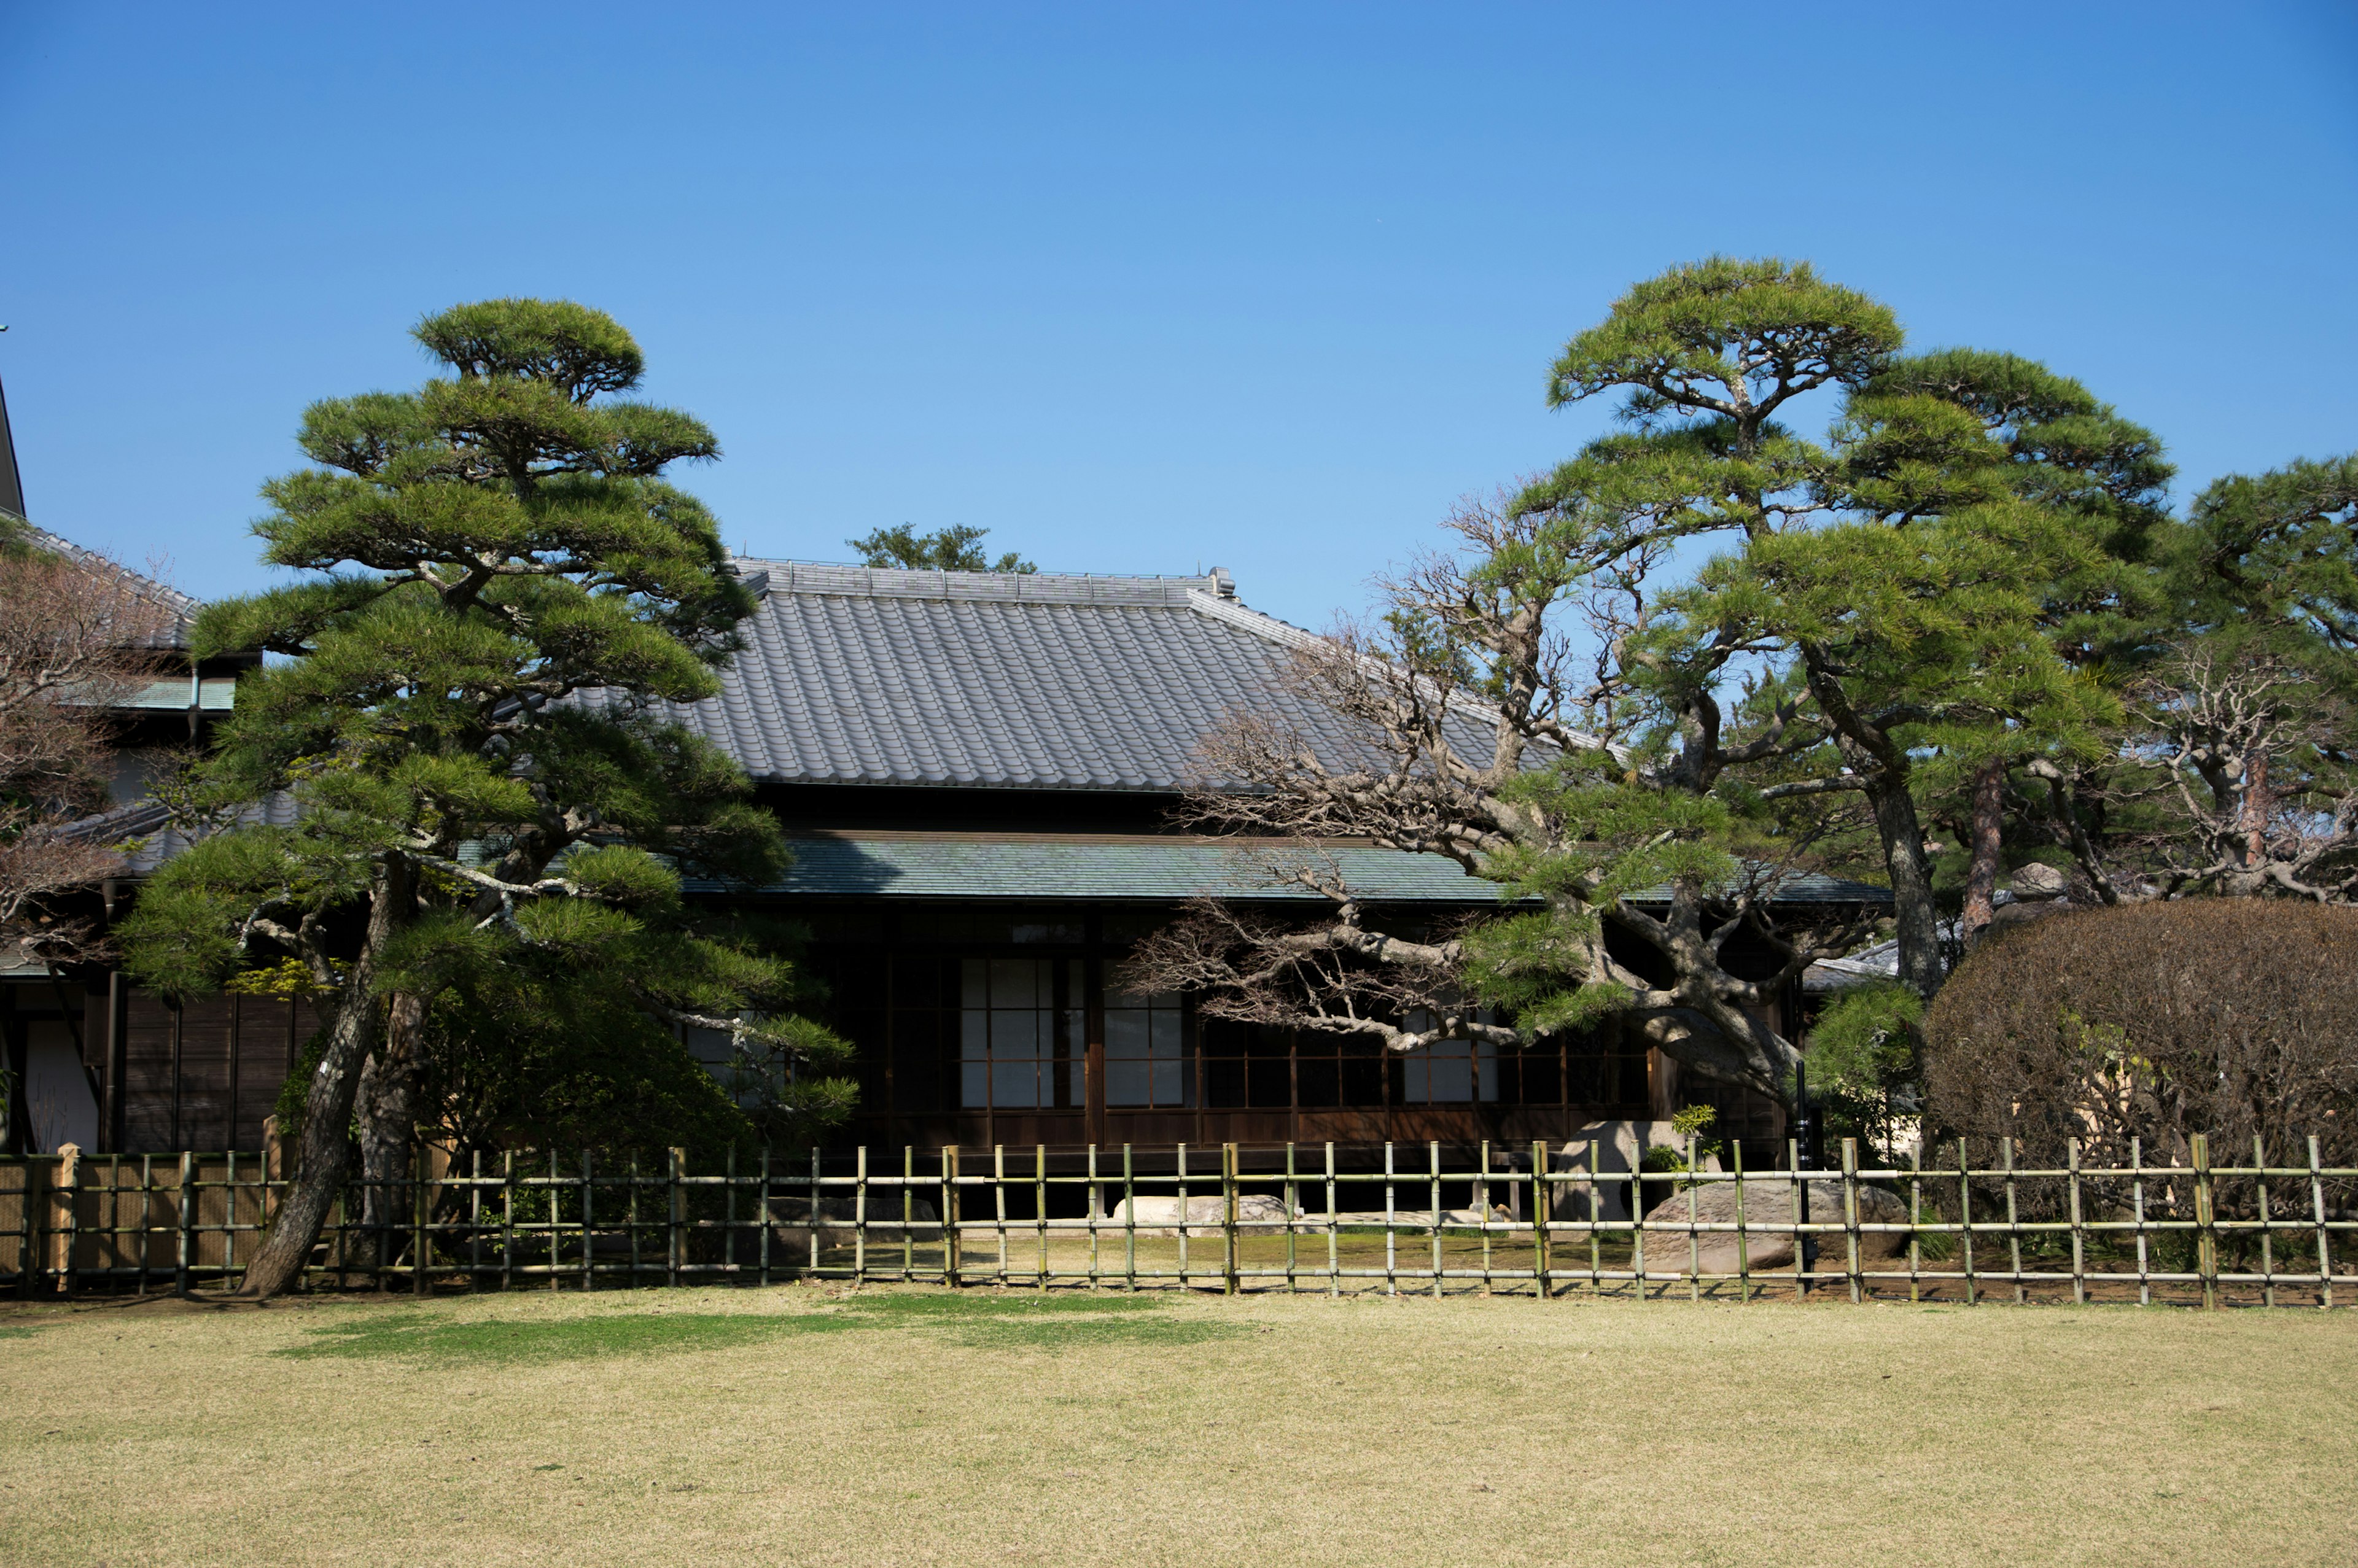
[
  {"x": 15, "y": 1331},
  {"x": 503, "y": 1341},
  {"x": 969, "y": 1318}
]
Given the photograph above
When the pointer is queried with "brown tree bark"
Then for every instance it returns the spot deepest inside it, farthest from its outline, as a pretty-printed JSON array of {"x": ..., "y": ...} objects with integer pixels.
[
  {"x": 1916, "y": 916},
  {"x": 1981, "y": 874},
  {"x": 2256, "y": 804},
  {"x": 385, "y": 1112},
  {"x": 325, "y": 1147}
]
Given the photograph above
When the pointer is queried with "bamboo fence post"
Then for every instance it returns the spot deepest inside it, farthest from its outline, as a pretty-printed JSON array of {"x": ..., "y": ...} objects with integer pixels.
[
  {"x": 1850, "y": 1218},
  {"x": 2317, "y": 1205},
  {"x": 420, "y": 1198},
  {"x": 69, "y": 1221},
  {"x": 1539, "y": 1204},
  {"x": 1637, "y": 1212},
  {"x": 1096, "y": 1216},
  {"x": 1596, "y": 1217},
  {"x": 1040, "y": 1205},
  {"x": 1916, "y": 1220},
  {"x": 1482, "y": 1208},
  {"x": 1183, "y": 1215},
  {"x": 998, "y": 1207},
  {"x": 1793, "y": 1218},
  {"x": 1128, "y": 1222},
  {"x": 148, "y": 1218},
  {"x": 2136, "y": 1188},
  {"x": 2267, "y": 1251},
  {"x": 507, "y": 1218},
  {"x": 2079, "y": 1250},
  {"x": 818, "y": 1191},
  {"x": 858, "y": 1223},
  {"x": 676, "y": 1253},
  {"x": 729, "y": 1216},
  {"x": 909, "y": 1211},
  {"x": 1694, "y": 1239},
  {"x": 588, "y": 1242},
  {"x": 1965, "y": 1219},
  {"x": 475, "y": 1222},
  {"x": 1292, "y": 1208},
  {"x": 1433, "y": 1147},
  {"x": 555, "y": 1221},
  {"x": 951, "y": 1274},
  {"x": 1228, "y": 1220},
  {"x": 1335, "y": 1231},
  {"x": 1391, "y": 1252},
  {"x": 2206, "y": 1240},
  {"x": 1743, "y": 1244},
  {"x": 188, "y": 1216},
  {"x": 2013, "y": 1221},
  {"x": 631, "y": 1222}
]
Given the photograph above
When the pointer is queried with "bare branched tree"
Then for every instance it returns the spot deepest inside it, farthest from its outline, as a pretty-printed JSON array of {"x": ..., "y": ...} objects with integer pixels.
[
  {"x": 1491, "y": 719},
  {"x": 77, "y": 635}
]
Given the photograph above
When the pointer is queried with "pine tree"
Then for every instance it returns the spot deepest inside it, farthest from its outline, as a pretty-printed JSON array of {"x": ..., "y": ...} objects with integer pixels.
[{"x": 486, "y": 810}]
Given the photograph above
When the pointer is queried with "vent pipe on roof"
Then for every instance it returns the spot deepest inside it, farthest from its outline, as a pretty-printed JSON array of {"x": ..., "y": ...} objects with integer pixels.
[{"x": 1222, "y": 583}]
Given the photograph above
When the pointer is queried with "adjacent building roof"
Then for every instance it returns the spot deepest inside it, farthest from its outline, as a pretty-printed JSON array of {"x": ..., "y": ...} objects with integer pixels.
[
  {"x": 180, "y": 609},
  {"x": 855, "y": 675}
]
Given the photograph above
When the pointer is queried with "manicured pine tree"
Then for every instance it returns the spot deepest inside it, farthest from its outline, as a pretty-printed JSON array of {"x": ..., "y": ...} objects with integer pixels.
[{"x": 488, "y": 805}]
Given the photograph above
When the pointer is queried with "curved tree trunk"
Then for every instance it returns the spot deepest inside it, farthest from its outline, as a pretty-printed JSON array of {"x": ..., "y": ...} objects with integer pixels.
[
  {"x": 1921, "y": 966},
  {"x": 326, "y": 1145},
  {"x": 385, "y": 1113}
]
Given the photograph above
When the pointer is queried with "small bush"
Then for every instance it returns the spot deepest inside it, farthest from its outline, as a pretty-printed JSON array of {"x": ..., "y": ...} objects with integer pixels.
[{"x": 2232, "y": 1017}]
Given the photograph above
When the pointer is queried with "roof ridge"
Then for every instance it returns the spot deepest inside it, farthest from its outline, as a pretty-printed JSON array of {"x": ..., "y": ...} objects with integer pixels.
[{"x": 827, "y": 577}]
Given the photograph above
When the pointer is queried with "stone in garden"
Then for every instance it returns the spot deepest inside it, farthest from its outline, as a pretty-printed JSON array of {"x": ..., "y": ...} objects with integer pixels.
[
  {"x": 1257, "y": 1214},
  {"x": 1769, "y": 1201}
]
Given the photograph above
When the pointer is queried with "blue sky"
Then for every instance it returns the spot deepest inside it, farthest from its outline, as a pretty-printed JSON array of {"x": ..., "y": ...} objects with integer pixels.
[{"x": 1137, "y": 288}]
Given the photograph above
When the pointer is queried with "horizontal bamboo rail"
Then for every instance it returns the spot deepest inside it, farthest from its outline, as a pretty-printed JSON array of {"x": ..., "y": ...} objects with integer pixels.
[{"x": 182, "y": 1222}]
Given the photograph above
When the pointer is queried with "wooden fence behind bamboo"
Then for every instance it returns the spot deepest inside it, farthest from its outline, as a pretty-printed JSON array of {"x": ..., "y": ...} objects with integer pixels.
[{"x": 1538, "y": 1221}]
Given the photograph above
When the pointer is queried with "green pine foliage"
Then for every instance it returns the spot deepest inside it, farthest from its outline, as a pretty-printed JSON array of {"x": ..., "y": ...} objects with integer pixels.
[
  {"x": 467, "y": 719},
  {"x": 956, "y": 549}
]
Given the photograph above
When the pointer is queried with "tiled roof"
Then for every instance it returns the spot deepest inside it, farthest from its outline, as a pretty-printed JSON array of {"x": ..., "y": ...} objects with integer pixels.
[
  {"x": 854, "y": 675},
  {"x": 181, "y": 608}
]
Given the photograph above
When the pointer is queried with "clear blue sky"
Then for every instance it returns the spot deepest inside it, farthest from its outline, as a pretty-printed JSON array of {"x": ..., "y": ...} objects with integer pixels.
[{"x": 1137, "y": 288}]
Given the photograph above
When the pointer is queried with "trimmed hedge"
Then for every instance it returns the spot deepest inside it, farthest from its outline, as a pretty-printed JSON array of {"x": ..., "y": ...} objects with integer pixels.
[{"x": 2229, "y": 1017}]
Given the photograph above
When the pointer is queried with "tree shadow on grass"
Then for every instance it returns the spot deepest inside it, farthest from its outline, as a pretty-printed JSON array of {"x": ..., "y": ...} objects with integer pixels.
[{"x": 972, "y": 1319}]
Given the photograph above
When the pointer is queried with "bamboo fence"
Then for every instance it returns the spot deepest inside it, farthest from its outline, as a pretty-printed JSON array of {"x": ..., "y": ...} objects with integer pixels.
[{"x": 1537, "y": 1220}]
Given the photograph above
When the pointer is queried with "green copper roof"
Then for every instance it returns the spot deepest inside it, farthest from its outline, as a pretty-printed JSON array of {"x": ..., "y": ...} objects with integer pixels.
[{"x": 1036, "y": 865}]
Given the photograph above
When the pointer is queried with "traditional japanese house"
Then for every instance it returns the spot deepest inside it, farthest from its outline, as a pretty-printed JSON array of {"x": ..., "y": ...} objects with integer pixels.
[{"x": 981, "y": 774}]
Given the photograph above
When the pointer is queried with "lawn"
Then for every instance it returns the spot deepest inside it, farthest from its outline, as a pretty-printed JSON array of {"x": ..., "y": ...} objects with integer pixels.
[{"x": 909, "y": 1426}]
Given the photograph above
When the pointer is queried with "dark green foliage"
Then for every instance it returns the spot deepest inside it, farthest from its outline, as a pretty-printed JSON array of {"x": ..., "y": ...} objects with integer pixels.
[
  {"x": 506, "y": 592},
  {"x": 2227, "y": 1017},
  {"x": 1865, "y": 1064},
  {"x": 957, "y": 548}
]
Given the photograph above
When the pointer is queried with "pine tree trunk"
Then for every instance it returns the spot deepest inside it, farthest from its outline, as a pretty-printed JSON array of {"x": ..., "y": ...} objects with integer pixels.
[
  {"x": 327, "y": 1107},
  {"x": 385, "y": 1112},
  {"x": 1981, "y": 875},
  {"x": 1917, "y": 918},
  {"x": 2253, "y": 818}
]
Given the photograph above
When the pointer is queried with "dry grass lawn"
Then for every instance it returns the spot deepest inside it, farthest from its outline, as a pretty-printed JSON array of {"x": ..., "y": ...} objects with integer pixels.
[{"x": 798, "y": 1426}]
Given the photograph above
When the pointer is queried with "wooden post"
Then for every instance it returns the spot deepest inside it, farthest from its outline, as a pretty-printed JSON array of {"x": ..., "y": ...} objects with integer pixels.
[
  {"x": 1335, "y": 1231},
  {"x": 2136, "y": 1188},
  {"x": 507, "y": 1218},
  {"x": 2316, "y": 1206},
  {"x": 1965, "y": 1219},
  {"x": 2079, "y": 1250},
  {"x": 1541, "y": 1202},
  {"x": 1743, "y": 1244},
  {"x": 588, "y": 1241},
  {"x": 475, "y": 1222},
  {"x": 998, "y": 1205},
  {"x": 817, "y": 1191},
  {"x": 1916, "y": 1220},
  {"x": 1850, "y": 1218},
  {"x": 1097, "y": 1218},
  {"x": 1482, "y": 1208},
  {"x": 858, "y": 1223},
  {"x": 765, "y": 1210},
  {"x": 679, "y": 1249},
  {"x": 1128, "y": 1221},
  {"x": 1040, "y": 1205},
  {"x": 420, "y": 1198},
  {"x": 950, "y": 1271},
  {"x": 2013, "y": 1221},
  {"x": 1183, "y": 1214},
  {"x": 1694, "y": 1239},
  {"x": 729, "y": 1217},
  {"x": 1292, "y": 1209},
  {"x": 148, "y": 1218},
  {"x": 2268, "y": 1249},
  {"x": 1392, "y": 1219},
  {"x": 188, "y": 1219},
  {"x": 2206, "y": 1240},
  {"x": 1433, "y": 1147},
  {"x": 1794, "y": 1218},
  {"x": 68, "y": 1227},
  {"x": 1228, "y": 1220}
]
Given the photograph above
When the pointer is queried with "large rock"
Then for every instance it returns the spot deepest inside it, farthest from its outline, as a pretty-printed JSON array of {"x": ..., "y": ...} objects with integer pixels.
[
  {"x": 1768, "y": 1201},
  {"x": 1257, "y": 1214}
]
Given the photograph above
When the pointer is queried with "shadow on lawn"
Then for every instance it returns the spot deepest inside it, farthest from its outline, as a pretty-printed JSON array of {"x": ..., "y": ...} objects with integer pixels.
[{"x": 983, "y": 1322}]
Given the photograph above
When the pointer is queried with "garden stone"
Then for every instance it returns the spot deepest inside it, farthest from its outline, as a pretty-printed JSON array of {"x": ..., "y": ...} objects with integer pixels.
[{"x": 1769, "y": 1201}]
